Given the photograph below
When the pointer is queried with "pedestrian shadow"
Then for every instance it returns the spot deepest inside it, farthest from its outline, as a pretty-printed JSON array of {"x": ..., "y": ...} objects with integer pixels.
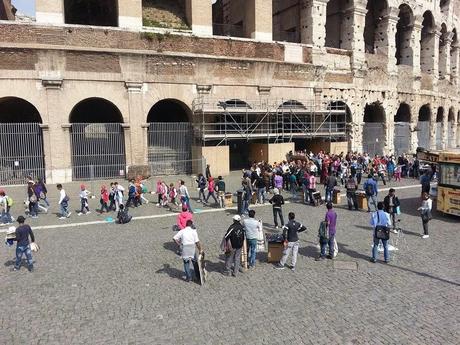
[
  {"x": 343, "y": 248},
  {"x": 309, "y": 251},
  {"x": 422, "y": 274},
  {"x": 217, "y": 267},
  {"x": 170, "y": 271},
  {"x": 172, "y": 246},
  {"x": 9, "y": 263}
]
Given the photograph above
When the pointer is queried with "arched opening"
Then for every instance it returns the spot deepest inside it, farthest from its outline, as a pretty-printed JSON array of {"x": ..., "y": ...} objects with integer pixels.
[
  {"x": 170, "y": 138},
  {"x": 454, "y": 54},
  {"x": 443, "y": 52},
  {"x": 439, "y": 121},
  {"x": 423, "y": 126},
  {"x": 402, "y": 129},
  {"x": 444, "y": 6},
  {"x": 451, "y": 128},
  {"x": 287, "y": 21},
  {"x": 91, "y": 12},
  {"x": 337, "y": 24},
  {"x": 374, "y": 32},
  {"x": 292, "y": 104},
  {"x": 427, "y": 43},
  {"x": 373, "y": 129},
  {"x": 97, "y": 139},
  {"x": 341, "y": 119},
  {"x": 21, "y": 141},
  {"x": 228, "y": 18},
  {"x": 404, "y": 54}
]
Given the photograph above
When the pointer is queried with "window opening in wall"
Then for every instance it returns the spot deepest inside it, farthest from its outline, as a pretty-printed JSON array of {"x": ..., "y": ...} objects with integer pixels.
[
  {"x": 454, "y": 54},
  {"x": 404, "y": 28},
  {"x": 443, "y": 51},
  {"x": 228, "y": 18},
  {"x": 91, "y": 12},
  {"x": 374, "y": 130},
  {"x": 286, "y": 20},
  {"x": 336, "y": 33},
  {"x": 402, "y": 129},
  {"x": 439, "y": 120},
  {"x": 451, "y": 128},
  {"x": 444, "y": 6},
  {"x": 427, "y": 43},
  {"x": 423, "y": 126},
  {"x": 374, "y": 31}
]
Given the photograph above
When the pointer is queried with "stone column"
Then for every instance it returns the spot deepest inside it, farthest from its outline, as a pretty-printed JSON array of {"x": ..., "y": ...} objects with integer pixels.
[
  {"x": 444, "y": 58},
  {"x": 437, "y": 36},
  {"x": 454, "y": 63},
  {"x": 389, "y": 23},
  {"x": 49, "y": 11},
  {"x": 445, "y": 128},
  {"x": 354, "y": 38},
  {"x": 137, "y": 134},
  {"x": 454, "y": 130},
  {"x": 130, "y": 14},
  {"x": 432, "y": 128},
  {"x": 259, "y": 19},
  {"x": 199, "y": 16},
  {"x": 415, "y": 45},
  {"x": 313, "y": 22}
]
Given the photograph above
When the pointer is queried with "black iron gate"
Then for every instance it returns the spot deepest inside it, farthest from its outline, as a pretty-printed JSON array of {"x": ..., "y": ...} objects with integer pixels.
[
  {"x": 21, "y": 152},
  {"x": 98, "y": 151},
  {"x": 170, "y": 148}
]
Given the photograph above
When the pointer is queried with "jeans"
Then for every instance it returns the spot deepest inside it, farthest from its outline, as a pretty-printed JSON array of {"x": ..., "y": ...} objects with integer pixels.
[
  {"x": 324, "y": 243},
  {"x": 305, "y": 194},
  {"x": 104, "y": 207},
  {"x": 64, "y": 207},
  {"x": 245, "y": 208},
  {"x": 358, "y": 178},
  {"x": 383, "y": 178},
  {"x": 371, "y": 199},
  {"x": 6, "y": 216},
  {"x": 279, "y": 212},
  {"x": 252, "y": 251},
  {"x": 293, "y": 247},
  {"x": 213, "y": 194},
  {"x": 185, "y": 200},
  {"x": 45, "y": 199},
  {"x": 294, "y": 190},
  {"x": 329, "y": 194},
  {"x": 33, "y": 208},
  {"x": 386, "y": 253},
  {"x": 20, "y": 251},
  {"x": 221, "y": 198},
  {"x": 201, "y": 196},
  {"x": 234, "y": 257},
  {"x": 84, "y": 205},
  {"x": 310, "y": 195},
  {"x": 352, "y": 200},
  {"x": 187, "y": 268},
  {"x": 425, "y": 227},
  {"x": 261, "y": 195}
]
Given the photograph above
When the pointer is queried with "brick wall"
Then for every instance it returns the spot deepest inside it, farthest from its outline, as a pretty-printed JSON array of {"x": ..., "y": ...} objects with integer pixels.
[
  {"x": 17, "y": 59},
  {"x": 89, "y": 62}
]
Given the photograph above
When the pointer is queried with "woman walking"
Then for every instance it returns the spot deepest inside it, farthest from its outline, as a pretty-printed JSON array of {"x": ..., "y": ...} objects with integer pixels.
[{"x": 425, "y": 212}]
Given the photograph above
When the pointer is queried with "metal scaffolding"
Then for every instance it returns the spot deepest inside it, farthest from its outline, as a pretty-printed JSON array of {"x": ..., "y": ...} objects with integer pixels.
[{"x": 274, "y": 120}]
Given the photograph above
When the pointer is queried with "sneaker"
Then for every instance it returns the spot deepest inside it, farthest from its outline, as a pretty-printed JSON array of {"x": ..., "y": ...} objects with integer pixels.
[
  {"x": 320, "y": 258},
  {"x": 158, "y": 205},
  {"x": 394, "y": 231},
  {"x": 88, "y": 212},
  {"x": 34, "y": 217},
  {"x": 62, "y": 217},
  {"x": 30, "y": 268},
  {"x": 279, "y": 267},
  {"x": 425, "y": 236},
  {"x": 79, "y": 214},
  {"x": 15, "y": 269},
  {"x": 68, "y": 215},
  {"x": 293, "y": 268},
  {"x": 372, "y": 260},
  {"x": 277, "y": 227}
]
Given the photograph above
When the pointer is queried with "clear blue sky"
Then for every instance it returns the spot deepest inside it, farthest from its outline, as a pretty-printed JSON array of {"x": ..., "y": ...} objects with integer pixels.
[{"x": 25, "y": 6}]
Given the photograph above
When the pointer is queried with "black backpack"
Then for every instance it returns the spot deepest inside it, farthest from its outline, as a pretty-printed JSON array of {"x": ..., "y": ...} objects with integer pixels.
[{"x": 369, "y": 189}]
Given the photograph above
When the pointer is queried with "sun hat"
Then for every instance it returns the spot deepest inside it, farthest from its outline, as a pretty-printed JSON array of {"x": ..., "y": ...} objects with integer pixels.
[{"x": 236, "y": 218}]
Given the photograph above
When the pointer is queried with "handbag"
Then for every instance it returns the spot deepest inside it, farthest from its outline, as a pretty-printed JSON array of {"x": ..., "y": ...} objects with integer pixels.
[
  {"x": 381, "y": 232},
  {"x": 226, "y": 244}
]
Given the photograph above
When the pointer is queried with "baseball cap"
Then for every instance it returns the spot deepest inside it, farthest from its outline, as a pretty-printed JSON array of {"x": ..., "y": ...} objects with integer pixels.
[{"x": 236, "y": 217}]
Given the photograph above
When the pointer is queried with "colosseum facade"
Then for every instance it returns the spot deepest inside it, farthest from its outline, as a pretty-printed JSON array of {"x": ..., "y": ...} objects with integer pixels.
[{"x": 98, "y": 88}]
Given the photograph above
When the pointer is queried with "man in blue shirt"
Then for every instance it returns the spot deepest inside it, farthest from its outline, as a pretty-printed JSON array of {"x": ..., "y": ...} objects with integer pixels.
[
  {"x": 23, "y": 245},
  {"x": 371, "y": 190},
  {"x": 379, "y": 220}
]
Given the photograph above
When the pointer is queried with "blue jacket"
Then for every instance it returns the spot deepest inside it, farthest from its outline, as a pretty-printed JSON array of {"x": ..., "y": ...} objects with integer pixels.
[{"x": 371, "y": 181}]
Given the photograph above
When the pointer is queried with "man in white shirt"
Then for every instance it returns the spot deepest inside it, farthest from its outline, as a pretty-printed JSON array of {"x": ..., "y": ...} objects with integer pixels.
[
  {"x": 63, "y": 202},
  {"x": 380, "y": 221},
  {"x": 252, "y": 228},
  {"x": 188, "y": 239}
]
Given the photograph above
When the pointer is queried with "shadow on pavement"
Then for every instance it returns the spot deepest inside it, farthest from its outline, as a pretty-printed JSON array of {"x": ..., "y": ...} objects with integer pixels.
[
  {"x": 172, "y": 272},
  {"x": 309, "y": 251}
]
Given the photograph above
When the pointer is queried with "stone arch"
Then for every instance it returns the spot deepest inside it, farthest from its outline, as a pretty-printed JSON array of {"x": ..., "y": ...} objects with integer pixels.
[
  {"x": 95, "y": 110},
  {"x": 423, "y": 126},
  {"x": 338, "y": 24},
  {"x": 443, "y": 41},
  {"x": 21, "y": 141},
  {"x": 18, "y": 110},
  {"x": 444, "y": 6},
  {"x": 92, "y": 12},
  {"x": 374, "y": 26},
  {"x": 169, "y": 110},
  {"x": 292, "y": 104},
  {"x": 402, "y": 132},
  {"x": 374, "y": 136},
  {"x": 343, "y": 124},
  {"x": 427, "y": 43},
  {"x": 439, "y": 127},
  {"x": 404, "y": 53}
]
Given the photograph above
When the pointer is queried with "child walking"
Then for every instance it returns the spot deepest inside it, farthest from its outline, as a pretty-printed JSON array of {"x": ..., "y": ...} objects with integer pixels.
[
  {"x": 84, "y": 193},
  {"x": 104, "y": 199}
]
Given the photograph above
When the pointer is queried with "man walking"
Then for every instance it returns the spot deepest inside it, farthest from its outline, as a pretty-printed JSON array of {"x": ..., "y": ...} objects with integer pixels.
[
  {"x": 235, "y": 234},
  {"x": 252, "y": 228},
  {"x": 188, "y": 238},
  {"x": 352, "y": 187},
  {"x": 277, "y": 201},
  {"x": 291, "y": 241},
  {"x": 329, "y": 184},
  {"x": 381, "y": 222},
  {"x": 390, "y": 205},
  {"x": 371, "y": 190},
  {"x": 220, "y": 188},
  {"x": 331, "y": 221},
  {"x": 23, "y": 244}
]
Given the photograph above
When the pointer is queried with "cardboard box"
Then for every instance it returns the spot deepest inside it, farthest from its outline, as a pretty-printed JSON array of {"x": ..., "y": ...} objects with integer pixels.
[
  {"x": 362, "y": 201},
  {"x": 275, "y": 252},
  {"x": 336, "y": 196},
  {"x": 228, "y": 199}
]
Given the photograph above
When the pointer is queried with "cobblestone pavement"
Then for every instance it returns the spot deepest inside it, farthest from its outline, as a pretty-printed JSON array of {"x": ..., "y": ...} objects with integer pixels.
[{"x": 122, "y": 284}]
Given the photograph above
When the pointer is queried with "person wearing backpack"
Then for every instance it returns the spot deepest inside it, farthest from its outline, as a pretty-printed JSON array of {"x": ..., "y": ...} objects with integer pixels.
[
  {"x": 291, "y": 242},
  {"x": 380, "y": 221},
  {"x": 371, "y": 190},
  {"x": 33, "y": 200},
  {"x": 132, "y": 194},
  {"x": 277, "y": 201},
  {"x": 220, "y": 188},
  {"x": 123, "y": 216},
  {"x": 327, "y": 232},
  {"x": 201, "y": 181},
  {"x": 391, "y": 206},
  {"x": 352, "y": 187},
  {"x": 5, "y": 203},
  {"x": 235, "y": 238}
]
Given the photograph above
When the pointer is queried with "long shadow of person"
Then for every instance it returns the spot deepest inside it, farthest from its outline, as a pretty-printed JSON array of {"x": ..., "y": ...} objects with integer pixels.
[
  {"x": 309, "y": 251},
  {"x": 171, "y": 271},
  {"x": 172, "y": 246}
]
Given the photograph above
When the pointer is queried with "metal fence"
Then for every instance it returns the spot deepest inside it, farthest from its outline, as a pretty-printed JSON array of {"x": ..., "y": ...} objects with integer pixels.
[
  {"x": 402, "y": 137},
  {"x": 98, "y": 151},
  {"x": 423, "y": 134},
  {"x": 373, "y": 138},
  {"x": 227, "y": 30},
  {"x": 21, "y": 152},
  {"x": 170, "y": 147},
  {"x": 184, "y": 167},
  {"x": 438, "y": 135}
]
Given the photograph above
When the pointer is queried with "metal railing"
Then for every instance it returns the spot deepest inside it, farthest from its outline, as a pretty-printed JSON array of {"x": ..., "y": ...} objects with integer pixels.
[
  {"x": 174, "y": 168},
  {"x": 230, "y": 30}
]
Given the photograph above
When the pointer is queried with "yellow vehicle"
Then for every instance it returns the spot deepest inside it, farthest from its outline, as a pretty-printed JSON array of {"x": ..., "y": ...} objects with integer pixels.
[{"x": 449, "y": 182}]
